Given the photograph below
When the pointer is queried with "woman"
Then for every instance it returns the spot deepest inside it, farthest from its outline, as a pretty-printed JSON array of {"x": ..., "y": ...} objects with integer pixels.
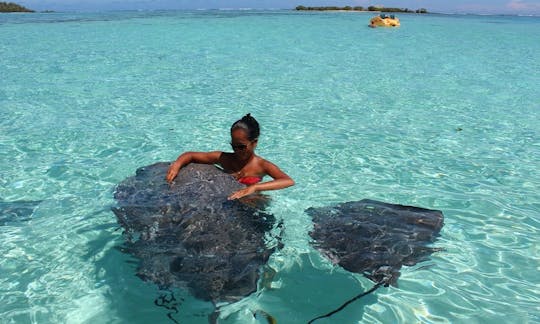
[{"x": 243, "y": 163}]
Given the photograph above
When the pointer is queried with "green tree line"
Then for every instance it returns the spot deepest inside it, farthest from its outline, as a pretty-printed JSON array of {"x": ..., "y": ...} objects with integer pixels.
[
  {"x": 13, "y": 7},
  {"x": 359, "y": 8}
]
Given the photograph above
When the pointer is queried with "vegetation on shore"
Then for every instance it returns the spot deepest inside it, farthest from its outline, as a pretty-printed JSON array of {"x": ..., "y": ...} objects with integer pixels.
[
  {"x": 358, "y": 8},
  {"x": 13, "y": 7}
]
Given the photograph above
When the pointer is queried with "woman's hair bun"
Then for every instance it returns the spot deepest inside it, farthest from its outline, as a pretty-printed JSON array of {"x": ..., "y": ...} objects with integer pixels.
[{"x": 249, "y": 124}]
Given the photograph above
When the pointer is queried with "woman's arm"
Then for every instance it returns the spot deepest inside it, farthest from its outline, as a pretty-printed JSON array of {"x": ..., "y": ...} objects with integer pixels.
[
  {"x": 280, "y": 181},
  {"x": 191, "y": 157}
]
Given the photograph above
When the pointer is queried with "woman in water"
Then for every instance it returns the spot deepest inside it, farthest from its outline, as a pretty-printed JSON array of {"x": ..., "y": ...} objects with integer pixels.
[{"x": 243, "y": 164}]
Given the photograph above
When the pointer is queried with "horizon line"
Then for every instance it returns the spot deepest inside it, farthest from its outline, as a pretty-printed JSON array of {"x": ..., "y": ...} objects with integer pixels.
[{"x": 264, "y": 9}]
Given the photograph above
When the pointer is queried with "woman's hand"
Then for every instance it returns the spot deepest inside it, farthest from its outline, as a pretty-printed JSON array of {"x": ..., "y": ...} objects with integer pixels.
[
  {"x": 173, "y": 171},
  {"x": 243, "y": 192},
  {"x": 192, "y": 157}
]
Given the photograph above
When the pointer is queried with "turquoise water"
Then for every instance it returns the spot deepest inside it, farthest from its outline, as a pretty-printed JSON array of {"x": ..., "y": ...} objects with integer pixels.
[{"x": 441, "y": 113}]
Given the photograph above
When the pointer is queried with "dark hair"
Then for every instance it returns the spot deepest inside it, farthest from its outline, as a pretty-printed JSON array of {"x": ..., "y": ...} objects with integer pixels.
[{"x": 250, "y": 125}]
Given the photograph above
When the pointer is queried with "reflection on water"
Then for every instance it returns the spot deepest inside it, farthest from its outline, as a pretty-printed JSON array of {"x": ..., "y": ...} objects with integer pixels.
[{"x": 349, "y": 112}]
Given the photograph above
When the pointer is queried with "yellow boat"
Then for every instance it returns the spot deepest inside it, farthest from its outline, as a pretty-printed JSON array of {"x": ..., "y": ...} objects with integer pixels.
[{"x": 384, "y": 21}]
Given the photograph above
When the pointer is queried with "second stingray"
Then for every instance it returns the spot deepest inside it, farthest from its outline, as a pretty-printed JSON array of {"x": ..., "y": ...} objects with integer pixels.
[{"x": 375, "y": 238}]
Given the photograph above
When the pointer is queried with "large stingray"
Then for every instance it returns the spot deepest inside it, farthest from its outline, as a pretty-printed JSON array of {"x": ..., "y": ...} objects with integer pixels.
[
  {"x": 374, "y": 238},
  {"x": 187, "y": 234}
]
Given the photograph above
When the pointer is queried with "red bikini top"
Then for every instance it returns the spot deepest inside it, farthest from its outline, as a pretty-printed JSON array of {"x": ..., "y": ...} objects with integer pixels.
[{"x": 250, "y": 180}]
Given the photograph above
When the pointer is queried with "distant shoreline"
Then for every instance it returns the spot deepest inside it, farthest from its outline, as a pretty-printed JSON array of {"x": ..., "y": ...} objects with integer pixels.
[
  {"x": 13, "y": 7},
  {"x": 87, "y": 11},
  {"x": 362, "y": 9}
]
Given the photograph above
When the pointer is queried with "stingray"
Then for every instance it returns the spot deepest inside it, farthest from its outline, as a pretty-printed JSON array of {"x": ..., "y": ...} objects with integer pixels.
[
  {"x": 374, "y": 238},
  {"x": 188, "y": 235},
  {"x": 16, "y": 211}
]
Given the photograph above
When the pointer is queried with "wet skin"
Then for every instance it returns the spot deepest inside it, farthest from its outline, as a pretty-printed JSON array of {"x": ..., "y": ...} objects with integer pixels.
[{"x": 241, "y": 163}]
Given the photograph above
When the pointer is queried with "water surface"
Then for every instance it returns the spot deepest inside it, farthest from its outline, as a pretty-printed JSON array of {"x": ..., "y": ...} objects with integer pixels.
[{"x": 442, "y": 113}]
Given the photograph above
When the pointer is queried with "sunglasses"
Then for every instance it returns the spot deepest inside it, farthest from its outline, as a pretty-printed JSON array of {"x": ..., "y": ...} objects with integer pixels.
[{"x": 238, "y": 147}]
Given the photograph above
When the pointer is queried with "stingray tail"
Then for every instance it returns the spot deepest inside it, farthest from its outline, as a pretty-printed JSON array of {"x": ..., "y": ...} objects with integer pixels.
[
  {"x": 168, "y": 301},
  {"x": 340, "y": 308}
]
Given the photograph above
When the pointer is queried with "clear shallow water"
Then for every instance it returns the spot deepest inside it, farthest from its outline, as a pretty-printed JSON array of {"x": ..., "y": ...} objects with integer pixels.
[{"x": 442, "y": 113}]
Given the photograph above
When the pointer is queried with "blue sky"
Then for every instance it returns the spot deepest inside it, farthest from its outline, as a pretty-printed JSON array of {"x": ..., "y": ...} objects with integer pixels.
[{"x": 446, "y": 6}]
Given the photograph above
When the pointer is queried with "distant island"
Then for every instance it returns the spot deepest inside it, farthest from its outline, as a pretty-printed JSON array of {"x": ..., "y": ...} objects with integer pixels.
[
  {"x": 358, "y": 8},
  {"x": 13, "y": 7}
]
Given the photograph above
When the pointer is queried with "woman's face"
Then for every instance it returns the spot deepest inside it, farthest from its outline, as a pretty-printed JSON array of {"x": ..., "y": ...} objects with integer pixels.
[{"x": 243, "y": 148}]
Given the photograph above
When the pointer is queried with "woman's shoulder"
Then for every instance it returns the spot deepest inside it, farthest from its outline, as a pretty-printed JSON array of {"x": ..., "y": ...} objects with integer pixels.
[
  {"x": 264, "y": 163},
  {"x": 225, "y": 156}
]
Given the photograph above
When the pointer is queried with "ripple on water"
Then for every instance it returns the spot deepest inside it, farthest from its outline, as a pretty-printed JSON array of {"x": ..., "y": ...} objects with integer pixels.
[{"x": 87, "y": 98}]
